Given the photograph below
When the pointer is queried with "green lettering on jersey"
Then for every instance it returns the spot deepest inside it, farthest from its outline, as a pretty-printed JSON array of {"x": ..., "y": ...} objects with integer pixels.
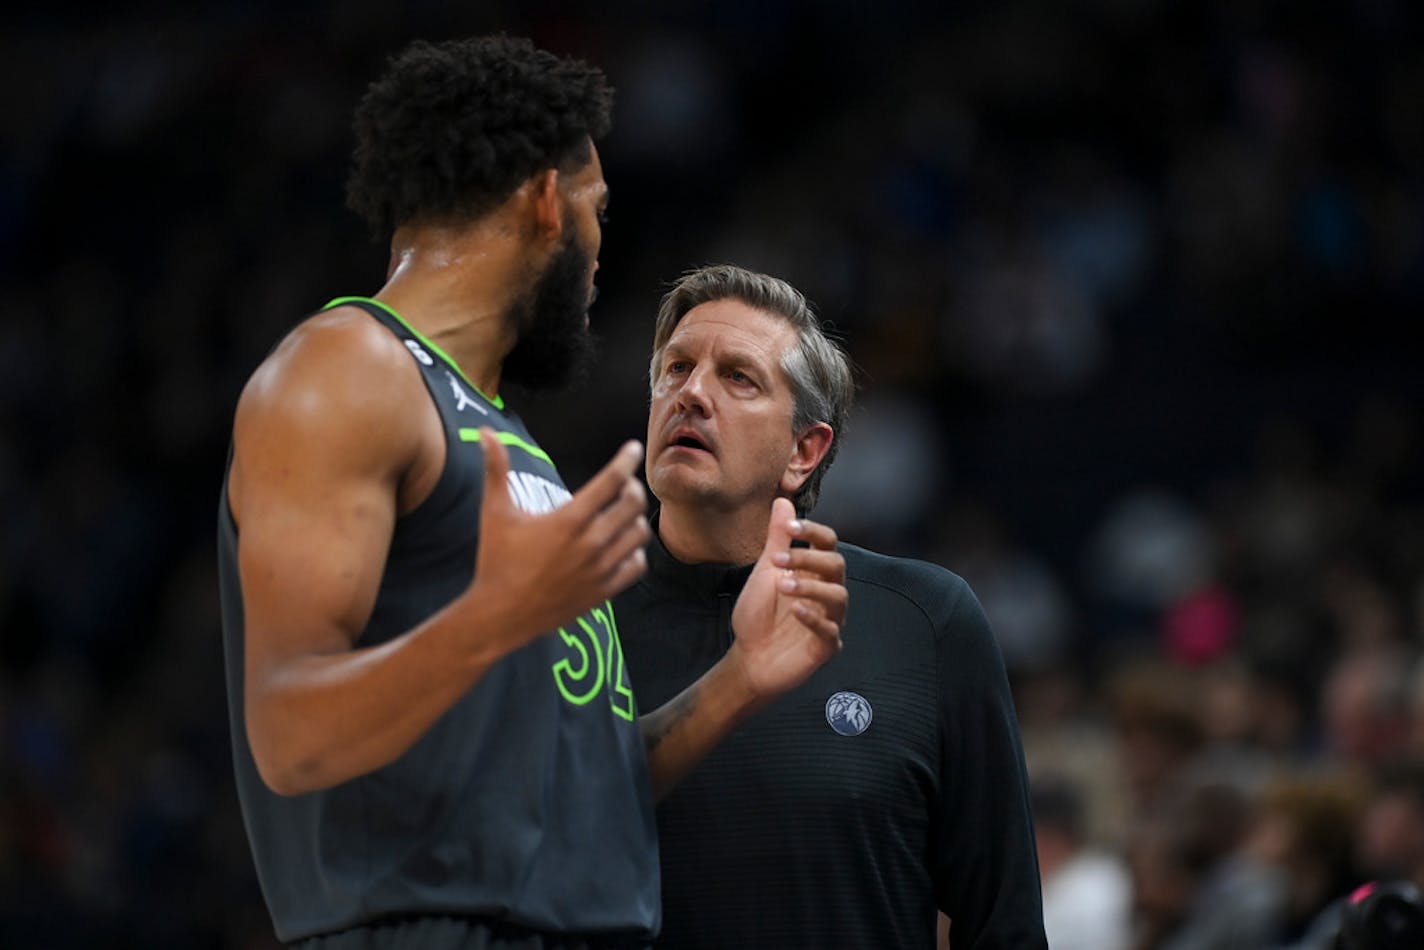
[
  {"x": 622, "y": 698},
  {"x": 570, "y": 680},
  {"x": 574, "y": 672}
]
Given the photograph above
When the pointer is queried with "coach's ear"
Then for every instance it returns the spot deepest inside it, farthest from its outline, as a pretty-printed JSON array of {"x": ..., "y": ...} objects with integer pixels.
[{"x": 811, "y": 446}]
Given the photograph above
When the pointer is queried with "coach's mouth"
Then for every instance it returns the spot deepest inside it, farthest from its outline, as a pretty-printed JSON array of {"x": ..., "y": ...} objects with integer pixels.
[{"x": 688, "y": 439}]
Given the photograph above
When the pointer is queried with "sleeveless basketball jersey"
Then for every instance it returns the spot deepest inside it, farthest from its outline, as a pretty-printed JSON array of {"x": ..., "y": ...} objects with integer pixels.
[{"x": 528, "y": 801}]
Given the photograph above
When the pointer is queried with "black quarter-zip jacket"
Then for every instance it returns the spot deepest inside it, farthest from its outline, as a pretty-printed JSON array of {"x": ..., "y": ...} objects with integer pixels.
[{"x": 889, "y": 784}]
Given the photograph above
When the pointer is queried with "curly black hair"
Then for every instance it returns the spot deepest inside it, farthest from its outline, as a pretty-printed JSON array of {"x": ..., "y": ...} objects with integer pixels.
[{"x": 452, "y": 129}]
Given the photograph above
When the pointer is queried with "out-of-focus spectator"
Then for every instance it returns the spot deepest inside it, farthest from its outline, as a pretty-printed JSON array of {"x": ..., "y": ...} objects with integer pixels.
[
  {"x": 1229, "y": 696},
  {"x": 1149, "y": 552},
  {"x": 1026, "y": 603},
  {"x": 1026, "y": 326},
  {"x": 1391, "y": 836},
  {"x": 1086, "y": 891},
  {"x": 1414, "y": 743},
  {"x": 1365, "y": 613},
  {"x": 1193, "y": 888},
  {"x": 1305, "y": 829},
  {"x": 881, "y": 493},
  {"x": 1202, "y": 626},
  {"x": 1284, "y": 517},
  {"x": 1156, "y": 716},
  {"x": 1367, "y": 705},
  {"x": 1066, "y": 738}
]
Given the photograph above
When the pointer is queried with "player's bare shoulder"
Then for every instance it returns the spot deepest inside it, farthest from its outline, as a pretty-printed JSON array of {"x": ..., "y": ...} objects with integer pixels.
[
  {"x": 338, "y": 358},
  {"x": 340, "y": 391}
]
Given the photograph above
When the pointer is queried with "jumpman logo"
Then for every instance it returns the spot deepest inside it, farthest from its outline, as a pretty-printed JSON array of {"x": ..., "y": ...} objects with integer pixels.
[{"x": 462, "y": 398}]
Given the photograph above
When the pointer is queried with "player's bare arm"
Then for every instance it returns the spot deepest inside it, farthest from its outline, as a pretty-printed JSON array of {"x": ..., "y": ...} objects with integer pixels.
[
  {"x": 787, "y": 623},
  {"x": 334, "y": 439}
]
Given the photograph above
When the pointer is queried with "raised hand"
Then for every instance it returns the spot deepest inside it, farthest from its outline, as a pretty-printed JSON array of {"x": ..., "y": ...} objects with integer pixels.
[
  {"x": 788, "y": 618},
  {"x": 546, "y": 569}
]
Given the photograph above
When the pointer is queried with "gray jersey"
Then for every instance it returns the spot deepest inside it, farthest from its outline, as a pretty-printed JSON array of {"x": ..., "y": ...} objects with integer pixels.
[{"x": 528, "y": 802}]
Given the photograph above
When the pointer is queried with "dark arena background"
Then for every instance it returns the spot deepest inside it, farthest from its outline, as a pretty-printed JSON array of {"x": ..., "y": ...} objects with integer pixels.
[{"x": 1135, "y": 296}]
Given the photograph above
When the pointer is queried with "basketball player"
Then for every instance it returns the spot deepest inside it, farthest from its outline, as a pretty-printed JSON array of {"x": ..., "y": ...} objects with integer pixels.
[
  {"x": 890, "y": 783},
  {"x": 435, "y": 740}
]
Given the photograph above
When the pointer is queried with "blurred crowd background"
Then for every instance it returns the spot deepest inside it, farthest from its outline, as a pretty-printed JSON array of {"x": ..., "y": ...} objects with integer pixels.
[{"x": 1133, "y": 286}]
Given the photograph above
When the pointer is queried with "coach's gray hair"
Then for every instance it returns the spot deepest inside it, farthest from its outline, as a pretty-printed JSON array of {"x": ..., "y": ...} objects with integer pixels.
[{"x": 819, "y": 370}]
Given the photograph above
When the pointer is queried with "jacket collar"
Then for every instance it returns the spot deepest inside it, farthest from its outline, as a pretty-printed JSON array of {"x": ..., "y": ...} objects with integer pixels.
[{"x": 704, "y": 580}]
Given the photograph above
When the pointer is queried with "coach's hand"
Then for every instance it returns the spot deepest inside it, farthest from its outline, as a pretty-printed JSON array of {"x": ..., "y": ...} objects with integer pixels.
[{"x": 788, "y": 618}]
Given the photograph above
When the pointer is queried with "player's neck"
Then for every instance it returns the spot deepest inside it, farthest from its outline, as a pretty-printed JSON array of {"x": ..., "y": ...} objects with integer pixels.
[
  {"x": 703, "y": 536},
  {"x": 455, "y": 286}
]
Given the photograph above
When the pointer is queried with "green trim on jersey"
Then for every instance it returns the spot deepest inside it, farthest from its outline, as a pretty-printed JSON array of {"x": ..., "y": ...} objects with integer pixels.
[
  {"x": 496, "y": 401},
  {"x": 509, "y": 438}
]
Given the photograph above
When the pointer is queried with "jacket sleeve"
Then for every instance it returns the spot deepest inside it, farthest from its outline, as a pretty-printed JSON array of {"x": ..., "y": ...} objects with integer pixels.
[{"x": 985, "y": 861}]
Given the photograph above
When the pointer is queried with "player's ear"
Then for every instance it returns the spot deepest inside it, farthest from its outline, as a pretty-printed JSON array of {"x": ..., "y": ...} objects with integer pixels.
[{"x": 546, "y": 202}]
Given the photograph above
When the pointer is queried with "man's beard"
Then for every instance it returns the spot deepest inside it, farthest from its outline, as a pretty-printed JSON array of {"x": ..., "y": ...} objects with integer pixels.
[{"x": 555, "y": 347}]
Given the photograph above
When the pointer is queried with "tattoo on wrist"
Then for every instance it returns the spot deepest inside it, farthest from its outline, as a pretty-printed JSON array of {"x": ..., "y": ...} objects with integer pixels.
[{"x": 659, "y": 724}]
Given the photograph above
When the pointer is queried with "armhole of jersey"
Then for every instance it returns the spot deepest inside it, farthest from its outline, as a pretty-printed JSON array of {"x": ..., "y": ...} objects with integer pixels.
[{"x": 444, "y": 485}]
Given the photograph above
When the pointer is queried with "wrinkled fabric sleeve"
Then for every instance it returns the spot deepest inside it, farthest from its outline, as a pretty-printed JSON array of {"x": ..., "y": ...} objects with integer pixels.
[{"x": 985, "y": 862}]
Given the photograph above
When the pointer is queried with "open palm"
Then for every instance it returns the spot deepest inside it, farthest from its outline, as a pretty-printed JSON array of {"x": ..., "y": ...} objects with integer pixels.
[{"x": 788, "y": 617}]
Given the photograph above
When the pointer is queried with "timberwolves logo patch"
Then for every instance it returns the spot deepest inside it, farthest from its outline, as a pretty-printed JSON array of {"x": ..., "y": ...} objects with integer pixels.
[{"x": 848, "y": 713}]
